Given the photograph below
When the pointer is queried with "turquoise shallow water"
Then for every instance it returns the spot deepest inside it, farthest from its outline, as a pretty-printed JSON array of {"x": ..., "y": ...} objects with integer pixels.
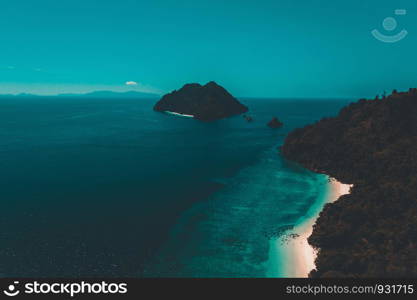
[
  {"x": 283, "y": 261},
  {"x": 107, "y": 187},
  {"x": 229, "y": 234}
]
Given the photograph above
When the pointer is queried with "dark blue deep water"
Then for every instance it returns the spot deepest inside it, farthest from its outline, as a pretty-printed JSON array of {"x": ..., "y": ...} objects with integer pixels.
[{"x": 107, "y": 187}]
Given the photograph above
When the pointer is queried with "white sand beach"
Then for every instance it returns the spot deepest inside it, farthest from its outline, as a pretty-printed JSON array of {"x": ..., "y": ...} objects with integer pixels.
[
  {"x": 178, "y": 114},
  {"x": 297, "y": 256}
]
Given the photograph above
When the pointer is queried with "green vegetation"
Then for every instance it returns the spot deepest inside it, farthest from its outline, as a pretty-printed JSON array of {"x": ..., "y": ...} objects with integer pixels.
[{"x": 372, "y": 232}]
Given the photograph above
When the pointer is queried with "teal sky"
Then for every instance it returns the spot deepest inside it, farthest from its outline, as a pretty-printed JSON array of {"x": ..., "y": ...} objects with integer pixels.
[{"x": 279, "y": 48}]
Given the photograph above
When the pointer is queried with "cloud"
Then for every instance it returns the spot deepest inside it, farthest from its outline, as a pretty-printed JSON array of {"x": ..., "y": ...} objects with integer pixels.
[{"x": 131, "y": 83}]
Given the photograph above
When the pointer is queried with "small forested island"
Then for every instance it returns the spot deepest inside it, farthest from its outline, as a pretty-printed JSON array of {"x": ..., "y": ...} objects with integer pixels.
[
  {"x": 372, "y": 144},
  {"x": 275, "y": 123},
  {"x": 208, "y": 102}
]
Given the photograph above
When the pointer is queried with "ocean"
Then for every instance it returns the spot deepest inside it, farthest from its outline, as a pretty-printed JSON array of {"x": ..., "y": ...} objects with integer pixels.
[{"x": 110, "y": 188}]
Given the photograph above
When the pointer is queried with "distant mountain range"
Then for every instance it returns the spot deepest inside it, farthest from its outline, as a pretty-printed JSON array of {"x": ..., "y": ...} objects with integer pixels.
[{"x": 96, "y": 94}]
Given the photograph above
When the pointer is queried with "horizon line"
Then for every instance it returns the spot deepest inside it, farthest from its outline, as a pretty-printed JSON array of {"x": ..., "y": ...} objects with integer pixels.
[{"x": 161, "y": 94}]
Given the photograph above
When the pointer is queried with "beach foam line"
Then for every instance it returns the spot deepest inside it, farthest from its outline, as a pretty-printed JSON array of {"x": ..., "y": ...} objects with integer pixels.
[
  {"x": 296, "y": 254},
  {"x": 178, "y": 114}
]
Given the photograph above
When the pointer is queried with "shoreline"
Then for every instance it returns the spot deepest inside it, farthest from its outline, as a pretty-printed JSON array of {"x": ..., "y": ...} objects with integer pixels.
[
  {"x": 297, "y": 255},
  {"x": 178, "y": 114}
]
